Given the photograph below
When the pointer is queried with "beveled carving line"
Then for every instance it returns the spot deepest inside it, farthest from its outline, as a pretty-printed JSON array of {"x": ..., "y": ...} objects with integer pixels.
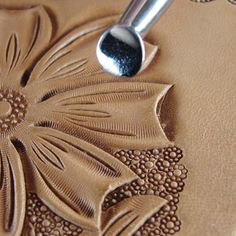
[
  {"x": 115, "y": 220},
  {"x": 82, "y": 61},
  {"x": 34, "y": 37},
  {"x": 105, "y": 93},
  {"x": 206, "y": 1}
]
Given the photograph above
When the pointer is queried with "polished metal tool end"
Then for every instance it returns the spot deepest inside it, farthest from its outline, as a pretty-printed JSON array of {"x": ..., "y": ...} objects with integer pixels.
[{"x": 120, "y": 50}]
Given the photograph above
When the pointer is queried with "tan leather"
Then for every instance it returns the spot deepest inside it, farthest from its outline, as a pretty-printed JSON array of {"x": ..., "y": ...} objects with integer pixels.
[{"x": 197, "y": 51}]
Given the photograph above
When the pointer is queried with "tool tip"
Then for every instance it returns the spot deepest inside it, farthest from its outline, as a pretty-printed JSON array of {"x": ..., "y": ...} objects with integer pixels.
[{"x": 120, "y": 51}]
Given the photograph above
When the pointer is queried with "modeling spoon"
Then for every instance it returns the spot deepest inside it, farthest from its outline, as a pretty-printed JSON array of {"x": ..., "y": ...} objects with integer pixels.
[{"x": 120, "y": 50}]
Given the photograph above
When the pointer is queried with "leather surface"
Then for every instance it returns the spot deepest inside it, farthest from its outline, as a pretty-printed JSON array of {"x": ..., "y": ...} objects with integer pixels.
[{"x": 197, "y": 54}]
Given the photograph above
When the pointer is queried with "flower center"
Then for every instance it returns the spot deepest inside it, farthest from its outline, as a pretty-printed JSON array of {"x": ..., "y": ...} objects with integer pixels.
[
  {"x": 13, "y": 107},
  {"x": 5, "y": 109}
]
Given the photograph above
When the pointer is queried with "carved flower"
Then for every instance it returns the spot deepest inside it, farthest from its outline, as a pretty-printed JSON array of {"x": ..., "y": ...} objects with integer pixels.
[{"x": 62, "y": 118}]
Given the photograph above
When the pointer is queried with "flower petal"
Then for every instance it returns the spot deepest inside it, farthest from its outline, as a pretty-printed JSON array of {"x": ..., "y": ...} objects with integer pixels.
[
  {"x": 127, "y": 216},
  {"x": 72, "y": 176},
  {"x": 24, "y": 34},
  {"x": 122, "y": 115},
  {"x": 72, "y": 62},
  {"x": 12, "y": 191}
]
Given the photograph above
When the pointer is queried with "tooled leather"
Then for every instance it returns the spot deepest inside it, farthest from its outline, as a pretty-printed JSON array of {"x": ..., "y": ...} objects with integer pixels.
[{"x": 197, "y": 55}]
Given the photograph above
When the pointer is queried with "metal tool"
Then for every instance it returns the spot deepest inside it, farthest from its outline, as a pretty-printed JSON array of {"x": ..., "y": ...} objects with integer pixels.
[{"x": 120, "y": 49}]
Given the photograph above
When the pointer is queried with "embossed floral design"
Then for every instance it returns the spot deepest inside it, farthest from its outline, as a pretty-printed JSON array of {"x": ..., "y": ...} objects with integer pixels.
[
  {"x": 166, "y": 182},
  {"x": 205, "y": 1},
  {"x": 62, "y": 118}
]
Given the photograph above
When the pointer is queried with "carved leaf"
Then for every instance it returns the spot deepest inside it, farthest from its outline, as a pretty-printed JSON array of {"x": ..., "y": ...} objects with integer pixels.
[
  {"x": 12, "y": 191},
  {"x": 73, "y": 176}
]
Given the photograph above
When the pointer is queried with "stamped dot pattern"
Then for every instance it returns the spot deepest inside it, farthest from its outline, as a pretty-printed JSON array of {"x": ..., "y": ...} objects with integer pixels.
[
  {"x": 18, "y": 105},
  {"x": 44, "y": 222},
  {"x": 159, "y": 174}
]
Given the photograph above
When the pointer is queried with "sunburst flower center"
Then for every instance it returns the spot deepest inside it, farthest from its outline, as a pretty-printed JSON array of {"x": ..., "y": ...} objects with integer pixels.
[
  {"x": 13, "y": 107},
  {"x": 5, "y": 109}
]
